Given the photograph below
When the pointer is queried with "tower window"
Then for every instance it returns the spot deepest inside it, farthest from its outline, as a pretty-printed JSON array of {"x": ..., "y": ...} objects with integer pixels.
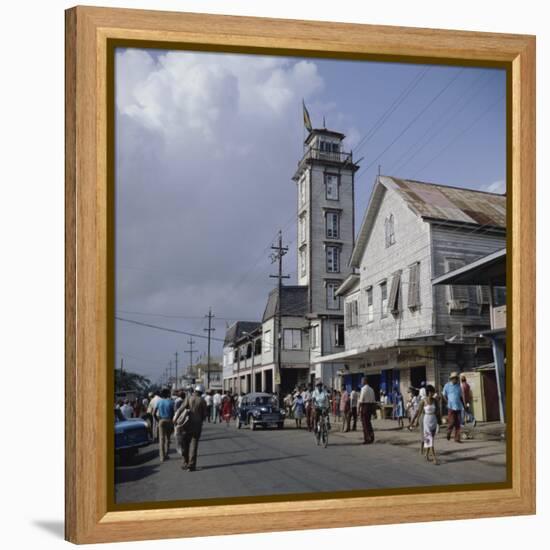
[
  {"x": 331, "y": 184},
  {"x": 302, "y": 229},
  {"x": 302, "y": 191},
  {"x": 332, "y": 222},
  {"x": 303, "y": 269},
  {"x": 333, "y": 259},
  {"x": 333, "y": 301}
]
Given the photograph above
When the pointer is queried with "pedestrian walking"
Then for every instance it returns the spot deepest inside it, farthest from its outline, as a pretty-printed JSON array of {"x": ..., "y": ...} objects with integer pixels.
[
  {"x": 398, "y": 408},
  {"x": 216, "y": 406},
  {"x": 353, "y": 403},
  {"x": 165, "y": 414},
  {"x": 428, "y": 410},
  {"x": 196, "y": 409},
  {"x": 227, "y": 407},
  {"x": 298, "y": 410},
  {"x": 452, "y": 395},
  {"x": 308, "y": 404},
  {"x": 367, "y": 406},
  {"x": 412, "y": 407},
  {"x": 152, "y": 411},
  {"x": 345, "y": 409},
  {"x": 467, "y": 399},
  {"x": 209, "y": 400}
]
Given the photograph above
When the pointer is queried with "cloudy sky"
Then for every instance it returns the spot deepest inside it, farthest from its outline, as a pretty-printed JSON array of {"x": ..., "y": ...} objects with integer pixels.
[{"x": 206, "y": 145}]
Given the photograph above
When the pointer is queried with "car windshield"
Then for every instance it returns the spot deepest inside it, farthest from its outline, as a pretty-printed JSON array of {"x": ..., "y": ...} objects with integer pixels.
[{"x": 264, "y": 400}]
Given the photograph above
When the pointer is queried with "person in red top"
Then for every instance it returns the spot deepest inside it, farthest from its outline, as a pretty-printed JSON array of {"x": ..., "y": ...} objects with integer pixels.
[{"x": 227, "y": 407}]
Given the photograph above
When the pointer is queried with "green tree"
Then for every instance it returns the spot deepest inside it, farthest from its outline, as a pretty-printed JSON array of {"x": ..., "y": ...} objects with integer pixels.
[{"x": 131, "y": 381}]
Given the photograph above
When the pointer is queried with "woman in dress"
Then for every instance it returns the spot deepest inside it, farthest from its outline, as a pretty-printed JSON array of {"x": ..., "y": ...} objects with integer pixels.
[
  {"x": 298, "y": 408},
  {"x": 398, "y": 408},
  {"x": 227, "y": 408},
  {"x": 430, "y": 409}
]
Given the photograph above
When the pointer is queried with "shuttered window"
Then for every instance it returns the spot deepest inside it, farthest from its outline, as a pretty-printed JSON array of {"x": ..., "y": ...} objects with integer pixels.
[
  {"x": 383, "y": 299},
  {"x": 352, "y": 313},
  {"x": 370, "y": 305},
  {"x": 395, "y": 294},
  {"x": 458, "y": 295},
  {"x": 413, "y": 300}
]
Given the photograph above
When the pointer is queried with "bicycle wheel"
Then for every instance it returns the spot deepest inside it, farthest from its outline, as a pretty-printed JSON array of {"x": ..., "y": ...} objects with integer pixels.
[
  {"x": 324, "y": 435},
  {"x": 317, "y": 433}
]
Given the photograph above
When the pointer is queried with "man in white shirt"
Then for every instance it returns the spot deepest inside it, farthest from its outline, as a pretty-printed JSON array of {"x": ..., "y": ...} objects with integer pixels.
[
  {"x": 367, "y": 406},
  {"x": 152, "y": 410},
  {"x": 209, "y": 404},
  {"x": 216, "y": 404},
  {"x": 127, "y": 410}
]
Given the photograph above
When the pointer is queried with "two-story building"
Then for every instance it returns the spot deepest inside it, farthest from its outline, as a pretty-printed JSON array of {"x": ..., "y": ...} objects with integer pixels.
[{"x": 399, "y": 329}]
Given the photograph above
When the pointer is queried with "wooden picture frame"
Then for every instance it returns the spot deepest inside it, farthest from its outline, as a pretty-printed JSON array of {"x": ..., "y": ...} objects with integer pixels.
[{"x": 90, "y": 33}]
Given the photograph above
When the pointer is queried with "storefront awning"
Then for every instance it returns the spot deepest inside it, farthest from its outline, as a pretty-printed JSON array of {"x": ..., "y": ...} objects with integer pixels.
[{"x": 362, "y": 353}]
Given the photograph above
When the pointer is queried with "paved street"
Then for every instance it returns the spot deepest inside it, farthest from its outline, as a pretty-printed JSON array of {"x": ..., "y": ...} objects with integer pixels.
[{"x": 244, "y": 463}]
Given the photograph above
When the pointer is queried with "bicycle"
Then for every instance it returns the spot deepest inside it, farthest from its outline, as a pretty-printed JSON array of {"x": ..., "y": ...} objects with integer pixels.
[{"x": 321, "y": 429}]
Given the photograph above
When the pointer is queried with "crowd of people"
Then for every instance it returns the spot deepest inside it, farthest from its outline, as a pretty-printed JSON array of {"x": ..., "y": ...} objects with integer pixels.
[{"x": 183, "y": 413}]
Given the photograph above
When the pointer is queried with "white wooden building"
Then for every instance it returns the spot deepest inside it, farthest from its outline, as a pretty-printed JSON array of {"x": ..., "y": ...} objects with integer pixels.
[{"x": 399, "y": 329}]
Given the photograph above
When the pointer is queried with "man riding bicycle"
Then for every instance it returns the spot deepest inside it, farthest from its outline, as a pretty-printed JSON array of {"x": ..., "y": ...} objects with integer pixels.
[{"x": 321, "y": 403}]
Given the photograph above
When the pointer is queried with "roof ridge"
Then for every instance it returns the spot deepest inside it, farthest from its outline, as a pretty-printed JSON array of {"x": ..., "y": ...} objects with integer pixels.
[{"x": 433, "y": 184}]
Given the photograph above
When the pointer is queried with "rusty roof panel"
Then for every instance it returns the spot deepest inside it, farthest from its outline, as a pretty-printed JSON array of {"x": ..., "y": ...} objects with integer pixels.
[{"x": 455, "y": 204}]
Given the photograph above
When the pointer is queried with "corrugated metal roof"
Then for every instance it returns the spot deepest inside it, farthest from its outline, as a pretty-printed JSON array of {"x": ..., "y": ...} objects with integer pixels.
[
  {"x": 454, "y": 204},
  {"x": 237, "y": 329},
  {"x": 294, "y": 302},
  {"x": 433, "y": 202}
]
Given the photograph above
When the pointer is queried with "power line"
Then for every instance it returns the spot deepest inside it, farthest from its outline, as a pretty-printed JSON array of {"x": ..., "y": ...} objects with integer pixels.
[
  {"x": 166, "y": 329},
  {"x": 392, "y": 108},
  {"x": 412, "y": 121}
]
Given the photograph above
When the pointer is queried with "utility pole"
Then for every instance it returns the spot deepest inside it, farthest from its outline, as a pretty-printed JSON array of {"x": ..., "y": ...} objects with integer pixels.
[
  {"x": 190, "y": 351},
  {"x": 176, "y": 354},
  {"x": 209, "y": 330},
  {"x": 169, "y": 372},
  {"x": 277, "y": 256},
  {"x": 122, "y": 373}
]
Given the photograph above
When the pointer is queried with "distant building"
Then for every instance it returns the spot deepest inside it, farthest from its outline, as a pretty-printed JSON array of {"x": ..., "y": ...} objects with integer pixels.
[{"x": 399, "y": 329}]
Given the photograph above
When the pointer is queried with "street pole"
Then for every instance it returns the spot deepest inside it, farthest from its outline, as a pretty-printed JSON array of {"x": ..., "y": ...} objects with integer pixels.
[
  {"x": 209, "y": 330},
  {"x": 122, "y": 373},
  {"x": 277, "y": 256},
  {"x": 176, "y": 354},
  {"x": 190, "y": 351}
]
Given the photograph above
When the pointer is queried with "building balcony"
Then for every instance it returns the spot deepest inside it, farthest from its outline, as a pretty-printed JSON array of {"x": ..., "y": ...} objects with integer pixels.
[{"x": 331, "y": 156}]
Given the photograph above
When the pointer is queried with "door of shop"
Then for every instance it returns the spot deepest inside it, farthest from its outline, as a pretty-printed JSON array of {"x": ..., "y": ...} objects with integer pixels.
[{"x": 418, "y": 375}]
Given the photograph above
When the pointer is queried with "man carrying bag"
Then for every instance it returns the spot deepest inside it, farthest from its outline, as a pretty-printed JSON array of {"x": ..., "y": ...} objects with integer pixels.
[{"x": 192, "y": 414}]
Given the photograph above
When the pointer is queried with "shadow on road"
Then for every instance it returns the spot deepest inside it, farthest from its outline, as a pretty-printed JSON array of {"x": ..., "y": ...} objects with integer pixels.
[{"x": 253, "y": 461}]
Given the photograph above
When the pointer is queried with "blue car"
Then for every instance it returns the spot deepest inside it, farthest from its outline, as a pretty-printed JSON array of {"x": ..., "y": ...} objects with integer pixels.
[
  {"x": 130, "y": 435},
  {"x": 260, "y": 409}
]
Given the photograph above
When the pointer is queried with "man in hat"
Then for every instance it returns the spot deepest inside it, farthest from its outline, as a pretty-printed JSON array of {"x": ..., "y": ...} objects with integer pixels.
[{"x": 452, "y": 394}]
